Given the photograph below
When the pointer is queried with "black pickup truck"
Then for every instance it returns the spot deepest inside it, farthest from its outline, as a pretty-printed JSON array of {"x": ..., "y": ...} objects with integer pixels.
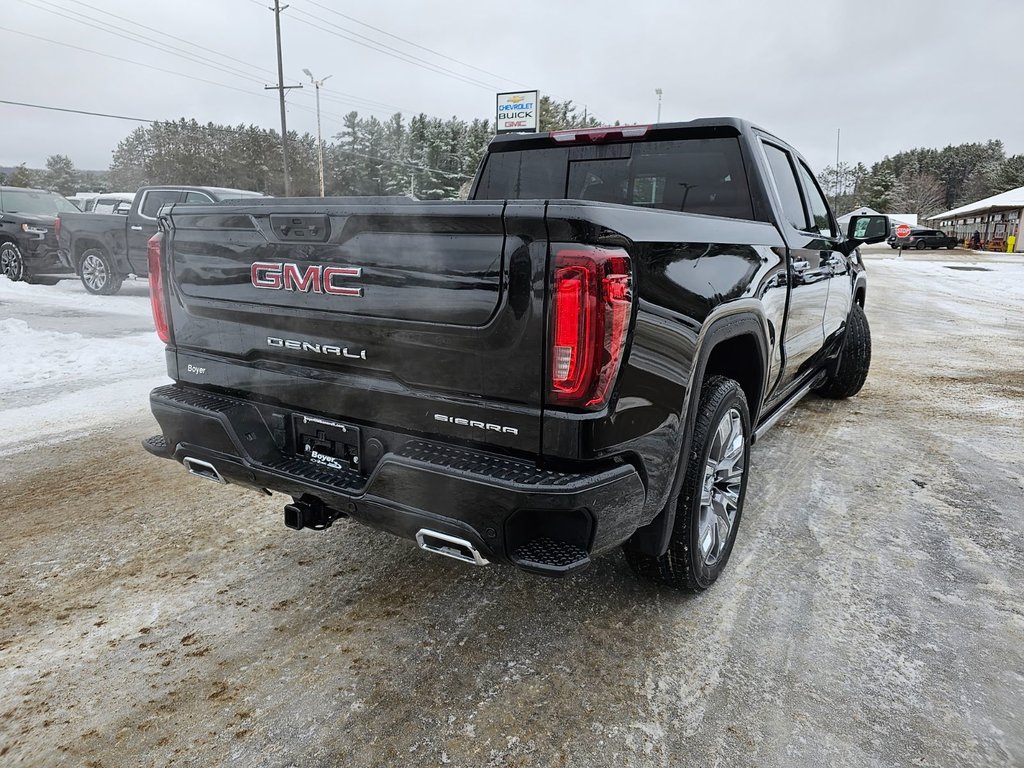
[
  {"x": 103, "y": 249},
  {"x": 28, "y": 237},
  {"x": 577, "y": 358}
]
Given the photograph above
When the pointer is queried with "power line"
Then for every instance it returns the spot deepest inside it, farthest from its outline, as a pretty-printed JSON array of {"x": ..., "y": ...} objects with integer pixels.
[
  {"x": 409, "y": 42},
  {"x": 127, "y": 34},
  {"x": 130, "y": 61},
  {"x": 221, "y": 129},
  {"x": 387, "y": 50},
  {"x": 77, "y": 111},
  {"x": 135, "y": 37}
]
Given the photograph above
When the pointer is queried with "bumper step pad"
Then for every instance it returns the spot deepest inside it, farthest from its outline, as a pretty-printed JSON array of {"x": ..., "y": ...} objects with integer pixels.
[{"x": 551, "y": 557}]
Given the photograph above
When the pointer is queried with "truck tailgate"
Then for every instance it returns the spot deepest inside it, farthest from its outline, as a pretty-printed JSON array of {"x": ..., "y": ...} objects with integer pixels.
[{"x": 421, "y": 317}]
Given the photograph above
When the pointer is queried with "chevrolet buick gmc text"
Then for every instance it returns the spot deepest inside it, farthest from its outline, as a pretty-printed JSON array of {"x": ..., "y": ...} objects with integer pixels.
[{"x": 577, "y": 358}]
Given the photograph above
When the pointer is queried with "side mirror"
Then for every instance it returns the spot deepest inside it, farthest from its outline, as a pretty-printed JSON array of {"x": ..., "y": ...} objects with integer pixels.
[{"x": 868, "y": 229}]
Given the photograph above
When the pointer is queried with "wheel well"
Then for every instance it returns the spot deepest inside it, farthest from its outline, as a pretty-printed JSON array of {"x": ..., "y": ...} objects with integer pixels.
[
  {"x": 81, "y": 246},
  {"x": 739, "y": 358}
]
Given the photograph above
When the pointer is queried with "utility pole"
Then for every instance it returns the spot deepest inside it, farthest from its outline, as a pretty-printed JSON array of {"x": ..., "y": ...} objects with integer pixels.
[
  {"x": 658, "y": 91},
  {"x": 319, "y": 137},
  {"x": 281, "y": 88}
]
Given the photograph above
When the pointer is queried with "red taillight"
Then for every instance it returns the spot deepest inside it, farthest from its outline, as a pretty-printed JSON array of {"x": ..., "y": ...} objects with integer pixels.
[
  {"x": 56, "y": 227},
  {"x": 157, "y": 294},
  {"x": 595, "y": 135},
  {"x": 592, "y": 302}
]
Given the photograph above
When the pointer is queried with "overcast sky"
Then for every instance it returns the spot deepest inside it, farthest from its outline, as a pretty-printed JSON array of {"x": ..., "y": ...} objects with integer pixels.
[{"x": 891, "y": 75}]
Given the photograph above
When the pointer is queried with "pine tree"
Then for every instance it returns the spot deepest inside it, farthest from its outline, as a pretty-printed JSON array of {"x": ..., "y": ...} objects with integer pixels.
[
  {"x": 60, "y": 175},
  {"x": 21, "y": 176}
]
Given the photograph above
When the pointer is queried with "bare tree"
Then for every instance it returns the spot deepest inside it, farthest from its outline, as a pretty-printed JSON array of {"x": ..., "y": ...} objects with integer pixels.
[{"x": 919, "y": 192}]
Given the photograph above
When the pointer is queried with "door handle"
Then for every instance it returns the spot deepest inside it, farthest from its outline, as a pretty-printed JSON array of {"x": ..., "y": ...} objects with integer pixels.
[{"x": 136, "y": 227}]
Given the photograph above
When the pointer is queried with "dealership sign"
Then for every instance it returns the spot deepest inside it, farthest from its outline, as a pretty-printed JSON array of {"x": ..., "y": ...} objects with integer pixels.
[{"x": 517, "y": 112}]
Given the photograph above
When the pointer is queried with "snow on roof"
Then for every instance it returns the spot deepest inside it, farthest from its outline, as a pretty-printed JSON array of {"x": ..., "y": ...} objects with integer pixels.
[
  {"x": 1012, "y": 198},
  {"x": 897, "y": 218}
]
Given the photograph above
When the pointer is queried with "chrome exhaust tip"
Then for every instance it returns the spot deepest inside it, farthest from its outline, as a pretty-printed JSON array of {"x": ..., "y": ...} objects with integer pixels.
[
  {"x": 203, "y": 469},
  {"x": 449, "y": 546}
]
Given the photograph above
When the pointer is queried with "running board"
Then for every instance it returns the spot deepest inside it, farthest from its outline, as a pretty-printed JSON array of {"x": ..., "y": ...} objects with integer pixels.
[{"x": 783, "y": 409}]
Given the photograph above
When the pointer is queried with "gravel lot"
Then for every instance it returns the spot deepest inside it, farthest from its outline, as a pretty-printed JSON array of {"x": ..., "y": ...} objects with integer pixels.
[{"x": 872, "y": 613}]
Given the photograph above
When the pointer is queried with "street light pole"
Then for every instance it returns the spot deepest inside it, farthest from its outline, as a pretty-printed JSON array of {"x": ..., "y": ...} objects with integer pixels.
[
  {"x": 658, "y": 91},
  {"x": 319, "y": 137}
]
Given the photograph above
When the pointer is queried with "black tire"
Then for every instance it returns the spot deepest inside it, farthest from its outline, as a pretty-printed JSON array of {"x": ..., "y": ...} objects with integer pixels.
[
  {"x": 684, "y": 565},
  {"x": 12, "y": 263},
  {"x": 98, "y": 274},
  {"x": 852, "y": 371},
  {"x": 921, "y": 245}
]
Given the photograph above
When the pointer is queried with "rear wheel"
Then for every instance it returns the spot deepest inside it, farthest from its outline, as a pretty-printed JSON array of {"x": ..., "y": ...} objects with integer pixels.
[
  {"x": 12, "y": 264},
  {"x": 98, "y": 274},
  {"x": 921, "y": 245},
  {"x": 851, "y": 373},
  {"x": 710, "y": 504}
]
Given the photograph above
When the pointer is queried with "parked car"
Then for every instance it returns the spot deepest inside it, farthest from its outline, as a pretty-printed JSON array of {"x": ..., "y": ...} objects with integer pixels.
[
  {"x": 103, "y": 250},
  {"x": 28, "y": 241},
  {"x": 920, "y": 239},
  {"x": 521, "y": 377}
]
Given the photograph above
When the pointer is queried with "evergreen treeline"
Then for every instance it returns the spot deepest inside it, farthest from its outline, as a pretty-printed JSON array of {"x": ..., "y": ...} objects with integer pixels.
[
  {"x": 424, "y": 156},
  {"x": 925, "y": 181},
  {"x": 433, "y": 158}
]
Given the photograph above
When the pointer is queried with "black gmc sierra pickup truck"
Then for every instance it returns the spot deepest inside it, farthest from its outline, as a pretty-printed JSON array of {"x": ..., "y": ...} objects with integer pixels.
[{"x": 577, "y": 358}]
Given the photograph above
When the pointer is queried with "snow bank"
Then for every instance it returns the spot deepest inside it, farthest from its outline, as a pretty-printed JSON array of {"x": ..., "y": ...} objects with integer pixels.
[
  {"x": 132, "y": 300},
  {"x": 36, "y": 358},
  {"x": 55, "y": 385}
]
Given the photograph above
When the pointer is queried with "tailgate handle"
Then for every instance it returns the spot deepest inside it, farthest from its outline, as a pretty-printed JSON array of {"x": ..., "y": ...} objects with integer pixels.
[{"x": 304, "y": 228}]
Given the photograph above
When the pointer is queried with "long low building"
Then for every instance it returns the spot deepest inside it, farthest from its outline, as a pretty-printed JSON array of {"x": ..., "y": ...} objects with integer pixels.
[{"x": 997, "y": 219}]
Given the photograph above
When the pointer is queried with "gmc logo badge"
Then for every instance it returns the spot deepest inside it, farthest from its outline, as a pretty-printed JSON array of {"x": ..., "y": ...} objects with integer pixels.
[{"x": 284, "y": 276}]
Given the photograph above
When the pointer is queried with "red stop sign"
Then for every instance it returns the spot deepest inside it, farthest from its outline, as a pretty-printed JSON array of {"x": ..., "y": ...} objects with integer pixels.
[{"x": 902, "y": 230}]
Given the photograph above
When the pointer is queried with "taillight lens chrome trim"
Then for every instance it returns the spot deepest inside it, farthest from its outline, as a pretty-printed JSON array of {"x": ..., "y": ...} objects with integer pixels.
[
  {"x": 157, "y": 294},
  {"x": 591, "y": 307}
]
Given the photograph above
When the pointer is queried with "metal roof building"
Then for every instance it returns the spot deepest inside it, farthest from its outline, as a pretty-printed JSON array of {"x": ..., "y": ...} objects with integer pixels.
[
  {"x": 894, "y": 218},
  {"x": 997, "y": 219}
]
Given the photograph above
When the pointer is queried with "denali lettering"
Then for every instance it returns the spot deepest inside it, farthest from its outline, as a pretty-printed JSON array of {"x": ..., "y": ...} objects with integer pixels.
[
  {"x": 277, "y": 276},
  {"x": 320, "y": 349},
  {"x": 458, "y": 421}
]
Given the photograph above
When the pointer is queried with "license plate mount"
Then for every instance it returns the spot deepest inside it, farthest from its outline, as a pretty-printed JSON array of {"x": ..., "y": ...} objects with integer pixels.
[{"x": 326, "y": 442}]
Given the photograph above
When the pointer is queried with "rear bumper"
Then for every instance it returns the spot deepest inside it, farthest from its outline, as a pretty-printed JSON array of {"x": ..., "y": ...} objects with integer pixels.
[
  {"x": 499, "y": 504},
  {"x": 41, "y": 258}
]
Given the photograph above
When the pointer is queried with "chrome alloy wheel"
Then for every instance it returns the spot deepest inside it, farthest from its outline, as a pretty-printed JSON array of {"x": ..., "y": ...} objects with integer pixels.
[
  {"x": 12, "y": 266},
  {"x": 723, "y": 480},
  {"x": 94, "y": 272}
]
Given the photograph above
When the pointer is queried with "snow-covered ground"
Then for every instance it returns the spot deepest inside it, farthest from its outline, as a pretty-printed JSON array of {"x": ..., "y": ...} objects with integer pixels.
[{"x": 71, "y": 361}]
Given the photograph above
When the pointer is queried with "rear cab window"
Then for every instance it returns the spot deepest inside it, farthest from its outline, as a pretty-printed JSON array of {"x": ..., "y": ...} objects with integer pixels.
[
  {"x": 703, "y": 175},
  {"x": 155, "y": 199}
]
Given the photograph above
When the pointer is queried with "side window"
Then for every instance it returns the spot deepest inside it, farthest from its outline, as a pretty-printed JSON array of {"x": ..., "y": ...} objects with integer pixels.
[
  {"x": 197, "y": 197},
  {"x": 157, "y": 199},
  {"x": 789, "y": 191},
  {"x": 819, "y": 208}
]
